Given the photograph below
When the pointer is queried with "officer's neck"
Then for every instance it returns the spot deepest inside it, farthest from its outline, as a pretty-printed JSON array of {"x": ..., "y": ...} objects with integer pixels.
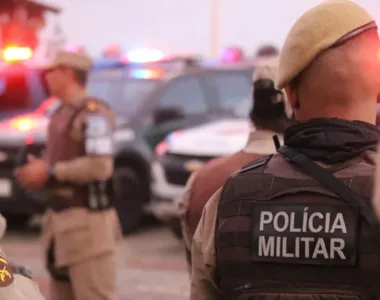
[{"x": 73, "y": 95}]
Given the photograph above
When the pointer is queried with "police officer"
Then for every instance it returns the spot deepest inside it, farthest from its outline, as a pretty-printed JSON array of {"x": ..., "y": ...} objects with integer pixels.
[
  {"x": 16, "y": 282},
  {"x": 299, "y": 224},
  {"x": 80, "y": 228},
  {"x": 270, "y": 114}
]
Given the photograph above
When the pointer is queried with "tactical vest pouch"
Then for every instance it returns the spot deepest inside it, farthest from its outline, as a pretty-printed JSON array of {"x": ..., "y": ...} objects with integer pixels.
[
  {"x": 58, "y": 273},
  {"x": 100, "y": 195},
  {"x": 303, "y": 294},
  {"x": 63, "y": 196}
]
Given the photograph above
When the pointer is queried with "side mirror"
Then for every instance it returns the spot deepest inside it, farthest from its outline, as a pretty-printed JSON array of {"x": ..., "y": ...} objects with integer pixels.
[{"x": 163, "y": 115}]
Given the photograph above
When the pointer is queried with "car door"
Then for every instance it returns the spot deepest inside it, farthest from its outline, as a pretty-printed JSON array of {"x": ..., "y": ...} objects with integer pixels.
[
  {"x": 182, "y": 103},
  {"x": 233, "y": 90}
]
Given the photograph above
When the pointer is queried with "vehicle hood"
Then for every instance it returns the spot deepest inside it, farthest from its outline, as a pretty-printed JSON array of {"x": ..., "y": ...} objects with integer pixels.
[
  {"x": 219, "y": 138},
  {"x": 15, "y": 130}
]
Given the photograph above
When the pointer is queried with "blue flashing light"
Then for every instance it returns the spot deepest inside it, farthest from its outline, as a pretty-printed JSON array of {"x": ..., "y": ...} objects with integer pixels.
[{"x": 145, "y": 73}]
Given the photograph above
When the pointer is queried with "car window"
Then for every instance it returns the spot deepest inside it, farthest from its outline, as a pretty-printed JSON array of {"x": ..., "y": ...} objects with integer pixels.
[
  {"x": 124, "y": 96},
  {"x": 186, "y": 95},
  {"x": 235, "y": 92},
  {"x": 99, "y": 88}
]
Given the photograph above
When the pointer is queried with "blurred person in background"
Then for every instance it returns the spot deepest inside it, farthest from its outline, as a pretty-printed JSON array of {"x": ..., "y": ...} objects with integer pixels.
[
  {"x": 270, "y": 115},
  {"x": 16, "y": 282},
  {"x": 267, "y": 50},
  {"x": 299, "y": 224},
  {"x": 80, "y": 228}
]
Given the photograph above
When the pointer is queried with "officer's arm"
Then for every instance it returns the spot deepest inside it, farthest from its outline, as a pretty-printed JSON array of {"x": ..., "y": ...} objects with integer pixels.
[
  {"x": 16, "y": 286},
  {"x": 27, "y": 289},
  {"x": 203, "y": 277},
  {"x": 85, "y": 169},
  {"x": 97, "y": 164},
  {"x": 183, "y": 206}
]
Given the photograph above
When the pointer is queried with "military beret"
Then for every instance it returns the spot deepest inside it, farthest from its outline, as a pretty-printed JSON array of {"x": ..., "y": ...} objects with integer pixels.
[
  {"x": 324, "y": 26},
  {"x": 76, "y": 60}
]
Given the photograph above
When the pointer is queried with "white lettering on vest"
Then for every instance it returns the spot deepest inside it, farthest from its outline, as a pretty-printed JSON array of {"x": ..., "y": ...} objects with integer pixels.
[
  {"x": 339, "y": 224},
  {"x": 266, "y": 247},
  {"x": 315, "y": 222},
  {"x": 266, "y": 217},
  {"x": 304, "y": 247},
  {"x": 284, "y": 221},
  {"x": 317, "y": 234}
]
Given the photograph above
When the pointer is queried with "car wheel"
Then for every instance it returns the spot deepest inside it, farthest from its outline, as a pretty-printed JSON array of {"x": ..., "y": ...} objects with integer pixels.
[
  {"x": 17, "y": 221},
  {"x": 129, "y": 198},
  {"x": 175, "y": 228}
]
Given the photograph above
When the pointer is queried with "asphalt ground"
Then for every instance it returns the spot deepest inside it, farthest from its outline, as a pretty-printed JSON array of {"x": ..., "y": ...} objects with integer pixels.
[{"x": 151, "y": 263}]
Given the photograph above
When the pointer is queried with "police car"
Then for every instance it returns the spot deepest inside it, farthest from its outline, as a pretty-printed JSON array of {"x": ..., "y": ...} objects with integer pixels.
[
  {"x": 15, "y": 203},
  {"x": 22, "y": 89},
  {"x": 22, "y": 86},
  {"x": 152, "y": 94},
  {"x": 184, "y": 152}
]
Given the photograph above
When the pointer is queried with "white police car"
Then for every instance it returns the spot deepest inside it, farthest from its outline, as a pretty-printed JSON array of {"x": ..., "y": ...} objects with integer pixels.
[{"x": 184, "y": 152}]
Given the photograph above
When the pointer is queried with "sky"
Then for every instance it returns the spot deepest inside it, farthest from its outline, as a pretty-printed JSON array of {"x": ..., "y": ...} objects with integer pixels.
[{"x": 179, "y": 26}]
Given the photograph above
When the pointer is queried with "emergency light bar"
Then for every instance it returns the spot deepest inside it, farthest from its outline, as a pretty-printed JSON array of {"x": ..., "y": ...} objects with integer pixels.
[
  {"x": 15, "y": 54},
  {"x": 112, "y": 50},
  {"x": 144, "y": 55},
  {"x": 232, "y": 54},
  {"x": 157, "y": 57}
]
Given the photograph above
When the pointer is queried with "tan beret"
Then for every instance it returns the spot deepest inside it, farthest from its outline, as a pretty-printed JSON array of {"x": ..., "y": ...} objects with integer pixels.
[
  {"x": 319, "y": 29},
  {"x": 75, "y": 60}
]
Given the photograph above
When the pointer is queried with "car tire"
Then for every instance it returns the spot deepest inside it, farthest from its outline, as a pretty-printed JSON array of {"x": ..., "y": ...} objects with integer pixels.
[
  {"x": 129, "y": 198},
  {"x": 17, "y": 221},
  {"x": 175, "y": 227}
]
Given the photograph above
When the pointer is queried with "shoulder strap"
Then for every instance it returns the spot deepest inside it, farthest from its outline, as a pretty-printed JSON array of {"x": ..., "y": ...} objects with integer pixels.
[
  {"x": 253, "y": 165},
  {"x": 307, "y": 166}
]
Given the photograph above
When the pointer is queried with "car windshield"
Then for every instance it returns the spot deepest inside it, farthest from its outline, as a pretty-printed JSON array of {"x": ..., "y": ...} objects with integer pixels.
[
  {"x": 123, "y": 95},
  {"x": 242, "y": 107}
]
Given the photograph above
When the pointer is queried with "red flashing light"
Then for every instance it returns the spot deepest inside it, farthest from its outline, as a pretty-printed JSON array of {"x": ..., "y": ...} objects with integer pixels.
[
  {"x": 177, "y": 133},
  {"x": 162, "y": 148},
  {"x": 29, "y": 140},
  {"x": 15, "y": 53},
  {"x": 23, "y": 123},
  {"x": 21, "y": 35},
  {"x": 232, "y": 54},
  {"x": 112, "y": 50}
]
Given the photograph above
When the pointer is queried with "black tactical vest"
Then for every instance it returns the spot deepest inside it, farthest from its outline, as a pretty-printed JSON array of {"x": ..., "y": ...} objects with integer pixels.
[{"x": 282, "y": 235}]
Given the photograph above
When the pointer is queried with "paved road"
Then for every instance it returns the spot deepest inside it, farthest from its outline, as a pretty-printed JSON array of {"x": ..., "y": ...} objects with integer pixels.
[{"x": 152, "y": 265}]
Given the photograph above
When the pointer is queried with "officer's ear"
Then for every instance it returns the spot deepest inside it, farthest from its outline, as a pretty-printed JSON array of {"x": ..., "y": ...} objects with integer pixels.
[{"x": 291, "y": 93}]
